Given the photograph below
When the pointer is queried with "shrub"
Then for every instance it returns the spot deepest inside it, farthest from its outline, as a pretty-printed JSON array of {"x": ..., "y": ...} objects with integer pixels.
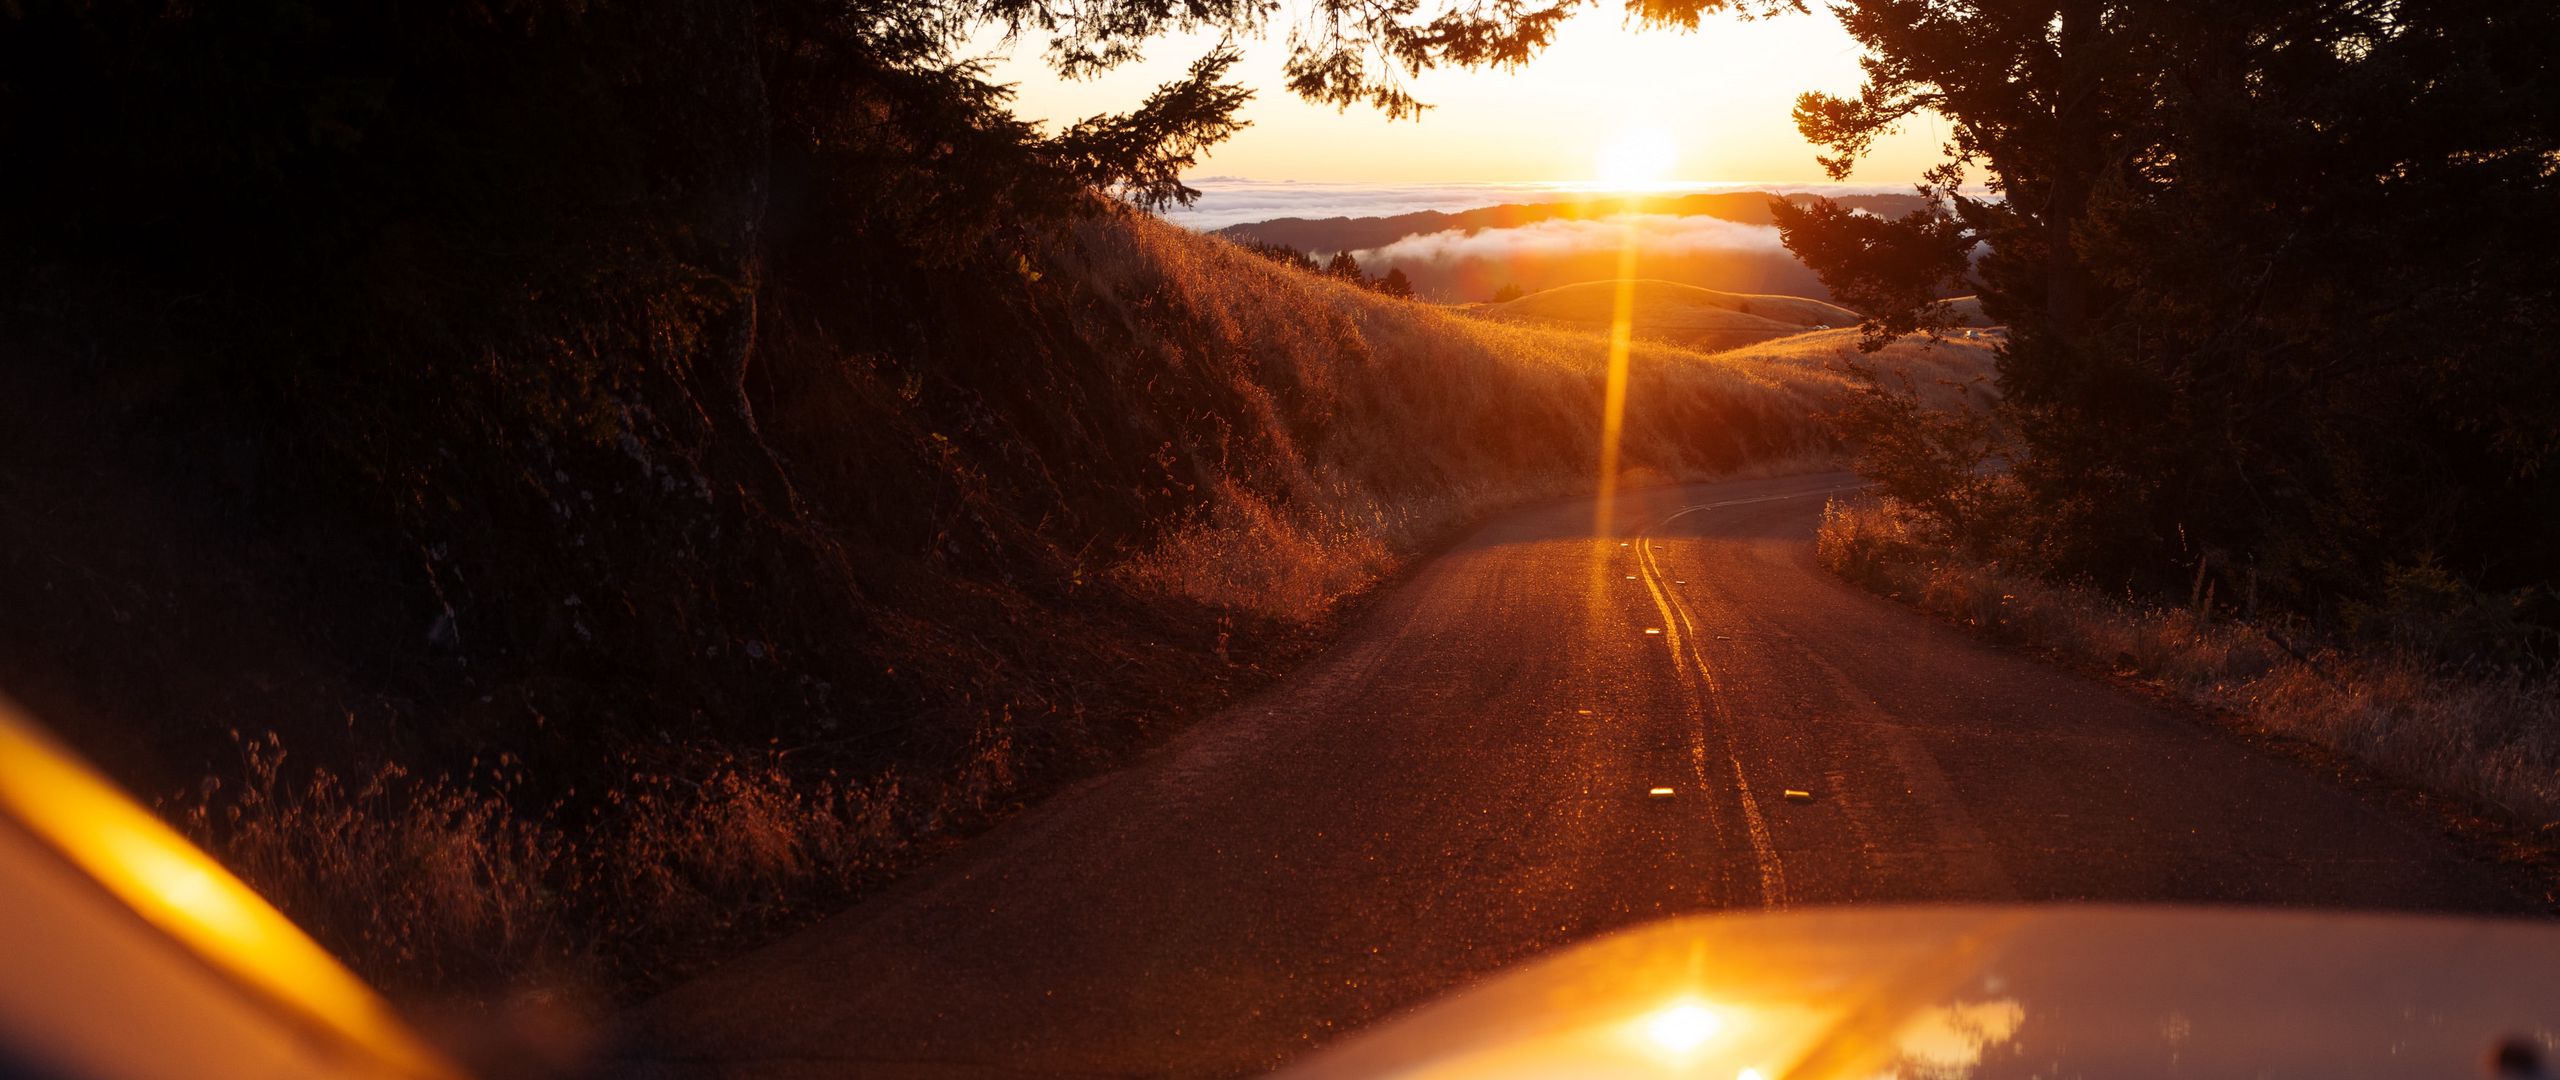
[{"x": 2486, "y": 735}]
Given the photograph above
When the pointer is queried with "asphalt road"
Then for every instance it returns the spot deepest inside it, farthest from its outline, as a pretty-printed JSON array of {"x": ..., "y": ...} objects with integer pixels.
[{"x": 1465, "y": 781}]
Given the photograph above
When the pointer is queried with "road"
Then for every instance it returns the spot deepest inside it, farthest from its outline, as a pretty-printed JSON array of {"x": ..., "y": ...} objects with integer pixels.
[{"x": 1466, "y": 779}]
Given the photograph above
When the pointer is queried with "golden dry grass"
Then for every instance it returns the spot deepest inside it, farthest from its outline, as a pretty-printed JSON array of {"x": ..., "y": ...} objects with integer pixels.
[
  {"x": 1435, "y": 417},
  {"x": 1968, "y": 311},
  {"x": 1368, "y": 427},
  {"x": 447, "y": 883},
  {"x": 1672, "y": 313},
  {"x": 1669, "y": 303},
  {"x": 2488, "y": 737},
  {"x": 1949, "y": 373}
]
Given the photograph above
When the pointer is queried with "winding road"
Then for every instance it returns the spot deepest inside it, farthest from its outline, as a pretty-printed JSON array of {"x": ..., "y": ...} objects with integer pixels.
[{"x": 1470, "y": 777}]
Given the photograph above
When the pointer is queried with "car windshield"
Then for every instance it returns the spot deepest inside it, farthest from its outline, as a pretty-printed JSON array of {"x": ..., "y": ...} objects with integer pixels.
[{"x": 939, "y": 538}]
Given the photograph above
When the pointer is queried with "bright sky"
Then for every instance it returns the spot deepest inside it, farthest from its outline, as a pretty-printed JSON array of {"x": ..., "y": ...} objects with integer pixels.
[{"x": 1604, "y": 102}]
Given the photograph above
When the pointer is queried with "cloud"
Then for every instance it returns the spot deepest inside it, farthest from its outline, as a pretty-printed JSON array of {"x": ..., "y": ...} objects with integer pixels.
[
  {"x": 1230, "y": 200},
  {"x": 1657, "y": 235}
]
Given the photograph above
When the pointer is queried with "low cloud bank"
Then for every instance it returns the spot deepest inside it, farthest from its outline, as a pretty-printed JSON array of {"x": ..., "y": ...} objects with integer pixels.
[
  {"x": 1657, "y": 235},
  {"x": 1228, "y": 200},
  {"x": 1456, "y": 265}
]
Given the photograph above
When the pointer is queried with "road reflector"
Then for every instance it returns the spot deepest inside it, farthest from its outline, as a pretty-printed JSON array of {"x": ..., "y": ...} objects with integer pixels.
[
  {"x": 1653, "y": 629},
  {"x": 1658, "y": 793},
  {"x": 1794, "y": 795},
  {"x": 1631, "y": 577},
  {"x": 1721, "y": 637}
]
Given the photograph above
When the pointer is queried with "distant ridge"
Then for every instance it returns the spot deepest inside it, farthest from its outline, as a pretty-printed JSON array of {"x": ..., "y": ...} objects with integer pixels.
[{"x": 1362, "y": 233}]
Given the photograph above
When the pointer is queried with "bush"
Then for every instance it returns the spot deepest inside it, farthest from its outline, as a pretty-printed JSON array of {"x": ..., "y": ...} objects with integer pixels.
[{"x": 2487, "y": 735}]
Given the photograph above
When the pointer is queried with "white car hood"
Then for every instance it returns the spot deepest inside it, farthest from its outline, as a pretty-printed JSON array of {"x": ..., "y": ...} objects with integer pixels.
[{"x": 1987, "y": 992}]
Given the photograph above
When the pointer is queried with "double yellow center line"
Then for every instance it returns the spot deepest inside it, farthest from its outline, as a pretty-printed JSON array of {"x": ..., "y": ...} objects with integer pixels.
[{"x": 1706, "y": 694}]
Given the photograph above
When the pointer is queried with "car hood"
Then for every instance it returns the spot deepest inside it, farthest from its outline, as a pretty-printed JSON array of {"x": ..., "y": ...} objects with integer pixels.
[{"x": 1997, "y": 992}]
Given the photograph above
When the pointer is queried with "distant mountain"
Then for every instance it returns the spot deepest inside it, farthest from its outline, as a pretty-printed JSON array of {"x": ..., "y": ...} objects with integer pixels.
[{"x": 1356, "y": 234}]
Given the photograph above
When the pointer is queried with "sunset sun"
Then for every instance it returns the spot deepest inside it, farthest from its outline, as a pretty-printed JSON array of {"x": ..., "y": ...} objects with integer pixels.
[{"x": 1636, "y": 157}]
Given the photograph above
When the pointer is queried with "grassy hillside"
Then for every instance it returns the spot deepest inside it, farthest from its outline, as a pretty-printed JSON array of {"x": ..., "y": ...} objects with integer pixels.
[
  {"x": 1386, "y": 471},
  {"x": 553, "y": 494},
  {"x": 1954, "y": 372},
  {"x": 584, "y": 638},
  {"x": 1666, "y": 311},
  {"x": 1967, "y": 311}
]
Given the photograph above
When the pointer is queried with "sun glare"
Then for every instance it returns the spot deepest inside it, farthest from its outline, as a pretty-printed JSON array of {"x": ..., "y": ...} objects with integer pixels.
[
  {"x": 1637, "y": 157},
  {"x": 1682, "y": 1027}
]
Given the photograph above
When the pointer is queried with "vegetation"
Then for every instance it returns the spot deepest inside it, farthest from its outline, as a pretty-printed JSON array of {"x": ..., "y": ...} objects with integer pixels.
[
  {"x": 615, "y": 522},
  {"x": 1668, "y": 311},
  {"x": 2210, "y": 370},
  {"x": 1343, "y": 265},
  {"x": 538, "y": 540},
  {"x": 1285, "y": 256},
  {"x": 2485, "y": 735},
  {"x": 539, "y": 544},
  {"x": 2211, "y": 392},
  {"x": 1370, "y": 448}
]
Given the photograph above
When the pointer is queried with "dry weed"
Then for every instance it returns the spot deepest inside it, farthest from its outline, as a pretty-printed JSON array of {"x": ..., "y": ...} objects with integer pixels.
[{"x": 2491, "y": 737}]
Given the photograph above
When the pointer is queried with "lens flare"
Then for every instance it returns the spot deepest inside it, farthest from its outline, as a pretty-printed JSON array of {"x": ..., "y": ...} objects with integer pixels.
[
  {"x": 1682, "y": 1027},
  {"x": 1613, "y": 402},
  {"x": 180, "y": 891}
]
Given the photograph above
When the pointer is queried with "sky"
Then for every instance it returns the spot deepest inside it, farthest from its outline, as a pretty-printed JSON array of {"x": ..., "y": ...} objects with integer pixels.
[{"x": 1605, "y": 103}]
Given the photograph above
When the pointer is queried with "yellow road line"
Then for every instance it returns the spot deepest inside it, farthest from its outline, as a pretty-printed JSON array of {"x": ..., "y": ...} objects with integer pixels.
[{"x": 1681, "y": 633}]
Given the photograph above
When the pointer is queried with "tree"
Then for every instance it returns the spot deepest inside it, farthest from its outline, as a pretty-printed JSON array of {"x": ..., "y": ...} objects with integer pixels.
[
  {"x": 1509, "y": 292},
  {"x": 1345, "y": 267},
  {"x": 1396, "y": 284},
  {"x": 2264, "y": 267},
  {"x": 279, "y": 94},
  {"x": 1284, "y": 255}
]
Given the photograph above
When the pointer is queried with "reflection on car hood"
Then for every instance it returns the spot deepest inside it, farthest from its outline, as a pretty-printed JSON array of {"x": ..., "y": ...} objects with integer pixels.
[{"x": 1997, "y": 992}]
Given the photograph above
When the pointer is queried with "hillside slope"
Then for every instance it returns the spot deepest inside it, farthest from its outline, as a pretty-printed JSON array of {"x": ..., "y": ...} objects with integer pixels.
[
  {"x": 652, "y": 626},
  {"x": 1967, "y": 311},
  {"x": 1954, "y": 372},
  {"x": 1666, "y": 311}
]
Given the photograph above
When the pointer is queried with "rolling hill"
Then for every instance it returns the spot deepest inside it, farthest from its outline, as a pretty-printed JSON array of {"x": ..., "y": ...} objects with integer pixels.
[
  {"x": 1666, "y": 311},
  {"x": 969, "y": 530}
]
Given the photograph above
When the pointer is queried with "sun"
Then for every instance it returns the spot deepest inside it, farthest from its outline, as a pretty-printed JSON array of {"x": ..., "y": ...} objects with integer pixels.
[{"x": 1635, "y": 158}]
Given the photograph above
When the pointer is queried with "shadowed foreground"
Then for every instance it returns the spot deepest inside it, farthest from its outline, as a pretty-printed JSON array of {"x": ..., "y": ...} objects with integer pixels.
[{"x": 1464, "y": 782}]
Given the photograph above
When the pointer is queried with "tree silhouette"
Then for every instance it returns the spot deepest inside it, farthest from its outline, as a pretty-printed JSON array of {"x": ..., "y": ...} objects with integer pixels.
[
  {"x": 1509, "y": 292},
  {"x": 2264, "y": 268},
  {"x": 1345, "y": 267},
  {"x": 1284, "y": 255},
  {"x": 1396, "y": 284}
]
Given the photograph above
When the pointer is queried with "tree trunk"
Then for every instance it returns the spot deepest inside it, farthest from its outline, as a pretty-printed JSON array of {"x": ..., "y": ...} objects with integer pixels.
[{"x": 2079, "y": 154}]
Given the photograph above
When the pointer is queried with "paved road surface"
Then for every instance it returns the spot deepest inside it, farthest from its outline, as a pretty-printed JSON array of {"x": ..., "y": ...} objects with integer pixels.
[{"x": 1464, "y": 782}]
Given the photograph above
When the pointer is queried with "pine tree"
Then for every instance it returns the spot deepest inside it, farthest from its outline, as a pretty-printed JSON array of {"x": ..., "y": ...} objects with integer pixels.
[{"x": 2265, "y": 269}]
